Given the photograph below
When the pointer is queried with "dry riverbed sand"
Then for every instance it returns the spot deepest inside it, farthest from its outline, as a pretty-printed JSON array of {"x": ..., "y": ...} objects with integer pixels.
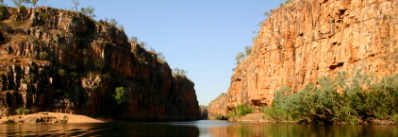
[{"x": 52, "y": 117}]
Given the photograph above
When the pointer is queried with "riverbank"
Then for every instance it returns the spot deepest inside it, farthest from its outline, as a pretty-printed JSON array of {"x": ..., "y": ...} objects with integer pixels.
[{"x": 52, "y": 117}]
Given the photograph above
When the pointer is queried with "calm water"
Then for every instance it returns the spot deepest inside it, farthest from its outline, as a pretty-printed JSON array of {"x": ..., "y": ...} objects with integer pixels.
[{"x": 203, "y": 128}]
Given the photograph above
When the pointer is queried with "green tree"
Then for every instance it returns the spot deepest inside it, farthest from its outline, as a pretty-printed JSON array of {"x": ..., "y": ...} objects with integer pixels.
[{"x": 88, "y": 11}]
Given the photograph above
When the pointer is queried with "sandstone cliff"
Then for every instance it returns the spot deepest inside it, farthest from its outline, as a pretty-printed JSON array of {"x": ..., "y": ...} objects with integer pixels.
[
  {"x": 63, "y": 61},
  {"x": 218, "y": 107},
  {"x": 304, "y": 40}
]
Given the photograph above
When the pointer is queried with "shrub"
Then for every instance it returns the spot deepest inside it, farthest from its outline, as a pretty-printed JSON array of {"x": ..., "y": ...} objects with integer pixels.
[
  {"x": 61, "y": 72},
  {"x": 21, "y": 111},
  {"x": 2, "y": 10},
  {"x": 43, "y": 55},
  {"x": 119, "y": 95},
  {"x": 24, "y": 81},
  {"x": 64, "y": 121},
  {"x": 99, "y": 64},
  {"x": 9, "y": 122},
  {"x": 240, "y": 110},
  {"x": 276, "y": 114},
  {"x": 218, "y": 117},
  {"x": 43, "y": 16},
  {"x": 73, "y": 73}
]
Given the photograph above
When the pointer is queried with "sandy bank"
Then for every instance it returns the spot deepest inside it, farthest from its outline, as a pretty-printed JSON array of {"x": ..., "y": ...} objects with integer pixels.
[{"x": 52, "y": 117}]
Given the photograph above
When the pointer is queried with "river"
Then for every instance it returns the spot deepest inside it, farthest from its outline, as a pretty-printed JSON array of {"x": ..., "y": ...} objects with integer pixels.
[{"x": 202, "y": 128}]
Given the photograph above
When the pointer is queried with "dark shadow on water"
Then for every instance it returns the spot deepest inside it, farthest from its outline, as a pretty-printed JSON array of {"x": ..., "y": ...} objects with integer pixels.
[{"x": 99, "y": 129}]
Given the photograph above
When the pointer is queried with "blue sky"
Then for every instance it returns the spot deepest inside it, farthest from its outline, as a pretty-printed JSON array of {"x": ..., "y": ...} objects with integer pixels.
[{"x": 200, "y": 36}]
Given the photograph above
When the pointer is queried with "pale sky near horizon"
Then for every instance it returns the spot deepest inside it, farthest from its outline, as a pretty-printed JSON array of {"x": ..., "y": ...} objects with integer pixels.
[{"x": 200, "y": 36}]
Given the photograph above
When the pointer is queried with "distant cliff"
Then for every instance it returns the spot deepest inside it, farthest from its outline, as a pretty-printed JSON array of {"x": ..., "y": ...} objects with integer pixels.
[
  {"x": 62, "y": 61},
  {"x": 304, "y": 40}
]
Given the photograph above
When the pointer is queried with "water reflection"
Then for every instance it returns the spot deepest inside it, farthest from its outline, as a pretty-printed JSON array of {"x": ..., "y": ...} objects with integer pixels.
[
  {"x": 204, "y": 128},
  {"x": 100, "y": 129},
  {"x": 290, "y": 130}
]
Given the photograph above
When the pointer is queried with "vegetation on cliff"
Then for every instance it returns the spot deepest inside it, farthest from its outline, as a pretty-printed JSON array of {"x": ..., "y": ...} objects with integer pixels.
[
  {"x": 240, "y": 56},
  {"x": 357, "y": 100}
]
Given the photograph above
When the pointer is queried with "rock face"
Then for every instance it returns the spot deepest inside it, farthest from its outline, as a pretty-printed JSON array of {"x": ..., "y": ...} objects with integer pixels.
[
  {"x": 62, "y": 61},
  {"x": 304, "y": 40},
  {"x": 218, "y": 107}
]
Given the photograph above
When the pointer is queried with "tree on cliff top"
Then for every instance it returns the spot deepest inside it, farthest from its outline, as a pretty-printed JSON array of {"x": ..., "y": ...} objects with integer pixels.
[
  {"x": 267, "y": 14},
  {"x": 34, "y": 2},
  {"x": 180, "y": 72},
  {"x": 75, "y": 3},
  {"x": 248, "y": 50},
  {"x": 18, "y": 3},
  {"x": 88, "y": 11},
  {"x": 239, "y": 57}
]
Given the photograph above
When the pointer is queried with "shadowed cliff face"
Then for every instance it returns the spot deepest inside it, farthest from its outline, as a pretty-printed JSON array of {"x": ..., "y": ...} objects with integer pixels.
[
  {"x": 59, "y": 60},
  {"x": 304, "y": 40}
]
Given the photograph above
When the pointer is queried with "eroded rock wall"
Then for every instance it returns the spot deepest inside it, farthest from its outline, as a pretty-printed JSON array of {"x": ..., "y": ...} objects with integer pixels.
[
  {"x": 63, "y": 61},
  {"x": 304, "y": 40}
]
